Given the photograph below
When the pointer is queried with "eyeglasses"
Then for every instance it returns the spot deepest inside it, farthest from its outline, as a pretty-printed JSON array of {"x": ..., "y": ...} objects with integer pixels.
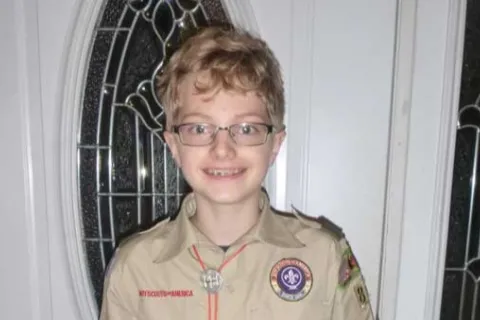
[{"x": 203, "y": 134}]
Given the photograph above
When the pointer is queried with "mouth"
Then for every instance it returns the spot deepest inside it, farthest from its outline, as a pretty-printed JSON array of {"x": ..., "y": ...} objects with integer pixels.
[{"x": 224, "y": 173}]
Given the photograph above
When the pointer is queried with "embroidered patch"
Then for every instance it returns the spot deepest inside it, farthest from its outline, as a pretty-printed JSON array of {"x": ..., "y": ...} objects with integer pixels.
[
  {"x": 348, "y": 268},
  {"x": 144, "y": 293},
  {"x": 291, "y": 279},
  {"x": 362, "y": 296}
]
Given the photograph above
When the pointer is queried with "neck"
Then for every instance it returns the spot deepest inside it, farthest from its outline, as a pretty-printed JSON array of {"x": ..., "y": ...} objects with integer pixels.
[{"x": 224, "y": 224}]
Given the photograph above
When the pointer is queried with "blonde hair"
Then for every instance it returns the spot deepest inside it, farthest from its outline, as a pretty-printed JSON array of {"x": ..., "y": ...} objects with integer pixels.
[{"x": 230, "y": 59}]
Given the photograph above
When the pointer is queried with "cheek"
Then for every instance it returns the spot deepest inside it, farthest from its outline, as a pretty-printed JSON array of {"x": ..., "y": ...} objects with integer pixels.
[
  {"x": 260, "y": 157},
  {"x": 189, "y": 166},
  {"x": 173, "y": 146},
  {"x": 189, "y": 156}
]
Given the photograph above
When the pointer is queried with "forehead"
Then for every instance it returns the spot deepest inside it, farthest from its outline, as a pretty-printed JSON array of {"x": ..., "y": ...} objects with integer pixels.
[{"x": 218, "y": 102}]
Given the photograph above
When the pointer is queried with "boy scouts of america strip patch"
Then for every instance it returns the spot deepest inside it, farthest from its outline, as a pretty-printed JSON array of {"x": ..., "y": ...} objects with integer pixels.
[
  {"x": 348, "y": 268},
  {"x": 291, "y": 279}
]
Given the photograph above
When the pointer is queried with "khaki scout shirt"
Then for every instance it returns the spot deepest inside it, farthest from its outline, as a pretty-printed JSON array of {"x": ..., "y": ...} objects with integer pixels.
[{"x": 287, "y": 267}]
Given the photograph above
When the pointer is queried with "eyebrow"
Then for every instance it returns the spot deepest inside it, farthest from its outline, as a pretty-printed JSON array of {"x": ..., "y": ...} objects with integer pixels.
[
  {"x": 196, "y": 115},
  {"x": 249, "y": 114},
  {"x": 205, "y": 117}
]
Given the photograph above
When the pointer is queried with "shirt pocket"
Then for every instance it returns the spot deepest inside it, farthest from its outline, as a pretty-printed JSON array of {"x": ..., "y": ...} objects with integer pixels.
[
  {"x": 153, "y": 309},
  {"x": 290, "y": 310}
]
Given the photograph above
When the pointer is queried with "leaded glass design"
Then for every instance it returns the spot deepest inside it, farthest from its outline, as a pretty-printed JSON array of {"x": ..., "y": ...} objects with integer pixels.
[
  {"x": 461, "y": 296},
  {"x": 127, "y": 177}
]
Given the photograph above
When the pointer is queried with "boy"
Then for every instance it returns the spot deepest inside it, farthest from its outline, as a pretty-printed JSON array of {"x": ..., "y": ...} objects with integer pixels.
[{"x": 228, "y": 255}]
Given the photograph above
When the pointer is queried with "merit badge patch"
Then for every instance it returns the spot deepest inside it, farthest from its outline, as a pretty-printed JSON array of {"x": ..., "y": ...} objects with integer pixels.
[
  {"x": 348, "y": 268},
  {"x": 291, "y": 279}
]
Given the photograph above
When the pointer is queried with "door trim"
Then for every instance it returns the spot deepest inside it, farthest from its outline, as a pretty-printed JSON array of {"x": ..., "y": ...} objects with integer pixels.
[
  {"x": 74, "y": 76},
  {"x": 446, "y": 154},
  {"x": 241, "y": 14},
  {"x": 410, "y": 22},
  {"x": 436, "y": 72},
  {"x": 299, "y": 104},
  {"x": 402, "y": 82}
]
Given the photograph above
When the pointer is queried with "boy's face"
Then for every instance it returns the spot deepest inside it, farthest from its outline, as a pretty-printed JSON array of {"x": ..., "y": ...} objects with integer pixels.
[{"x": 223, "y": 172}]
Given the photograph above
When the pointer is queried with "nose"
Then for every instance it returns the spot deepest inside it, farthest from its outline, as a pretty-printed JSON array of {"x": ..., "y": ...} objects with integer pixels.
[{"x": 223, "y": 146}]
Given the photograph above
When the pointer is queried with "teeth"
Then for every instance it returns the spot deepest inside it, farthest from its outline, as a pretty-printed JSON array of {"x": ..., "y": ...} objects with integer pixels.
[{"x": 223, "y": 172}]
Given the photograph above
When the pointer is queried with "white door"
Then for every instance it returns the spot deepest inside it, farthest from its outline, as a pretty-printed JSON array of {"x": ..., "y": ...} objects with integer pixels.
[
  {"x": 372, "y": 100},
  {"x": 339, "y": 71},
  {"x": 338, "y": 117},
  {"x": 338, "y": 58}
]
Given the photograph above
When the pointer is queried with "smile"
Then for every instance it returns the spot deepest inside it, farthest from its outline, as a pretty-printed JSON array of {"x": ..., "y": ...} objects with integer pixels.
[{"x": 224, "y": 172}]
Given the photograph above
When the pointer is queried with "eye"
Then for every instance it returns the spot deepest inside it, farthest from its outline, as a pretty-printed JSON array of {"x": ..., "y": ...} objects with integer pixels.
[
  {"x": 197, "y": 129},
  {"x": 248, "y": 129}
]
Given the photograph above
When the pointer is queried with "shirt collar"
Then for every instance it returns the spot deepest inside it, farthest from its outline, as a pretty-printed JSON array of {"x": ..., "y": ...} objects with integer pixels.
[
  {"x": 182, "y": 235},
  {"x": 270, "y": 228}
]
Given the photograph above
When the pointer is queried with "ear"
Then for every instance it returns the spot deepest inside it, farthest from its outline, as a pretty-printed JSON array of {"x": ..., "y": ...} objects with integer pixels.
[
  {"x": 173, "y": 145},
  {"x": 277, "y": 145}
]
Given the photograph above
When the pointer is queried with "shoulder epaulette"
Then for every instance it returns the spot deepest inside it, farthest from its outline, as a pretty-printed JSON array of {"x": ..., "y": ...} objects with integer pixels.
[
  {"x": 320, "y": 222},
  {"x": 327, "y": 224}
]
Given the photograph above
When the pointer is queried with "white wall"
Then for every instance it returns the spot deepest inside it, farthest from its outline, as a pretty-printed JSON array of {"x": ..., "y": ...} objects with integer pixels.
[
  {"x": 15, "y": 271},
  {"x": 34, "y": 278},
  {"x": 24, "y": 275}
]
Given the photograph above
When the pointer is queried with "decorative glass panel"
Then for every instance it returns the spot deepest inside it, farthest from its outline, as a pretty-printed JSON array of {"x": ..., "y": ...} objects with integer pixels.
[
  {"x": 461, "y": 296},
  {"x": 127, "y": 177}
]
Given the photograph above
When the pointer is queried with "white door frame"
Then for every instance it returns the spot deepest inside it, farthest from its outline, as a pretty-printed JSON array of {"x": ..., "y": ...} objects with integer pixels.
[
  {"x": 453, "y": 46},
  {"x": 422, "y": 147}
]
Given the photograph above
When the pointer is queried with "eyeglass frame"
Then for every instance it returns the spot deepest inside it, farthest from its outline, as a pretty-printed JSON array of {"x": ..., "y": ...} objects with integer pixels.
[{"x": 176, "y": 130}]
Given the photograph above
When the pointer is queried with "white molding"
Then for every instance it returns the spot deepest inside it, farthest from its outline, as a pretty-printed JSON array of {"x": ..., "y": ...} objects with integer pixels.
[
  {"x": 36, "y": 222},
  {"x": 74, "y": 74},
  {"x": 398, "y": 158},
  {"x": 445, "y": 156},
  {"x": 399, "y": 155},
  {"x": 241, "y": 14},
  {"x": 299, "y": 102}
]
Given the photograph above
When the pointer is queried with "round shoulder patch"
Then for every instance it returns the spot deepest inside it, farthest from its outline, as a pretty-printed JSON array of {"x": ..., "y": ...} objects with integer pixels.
[{"x": 291, "y": 279}]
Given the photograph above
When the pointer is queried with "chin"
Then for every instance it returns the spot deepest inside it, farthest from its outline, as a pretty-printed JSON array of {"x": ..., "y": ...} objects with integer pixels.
[
  {"x": 229, "y": 199},
  {"x": 224, "y": 199},
  {"x": 227, "y": 195}
]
